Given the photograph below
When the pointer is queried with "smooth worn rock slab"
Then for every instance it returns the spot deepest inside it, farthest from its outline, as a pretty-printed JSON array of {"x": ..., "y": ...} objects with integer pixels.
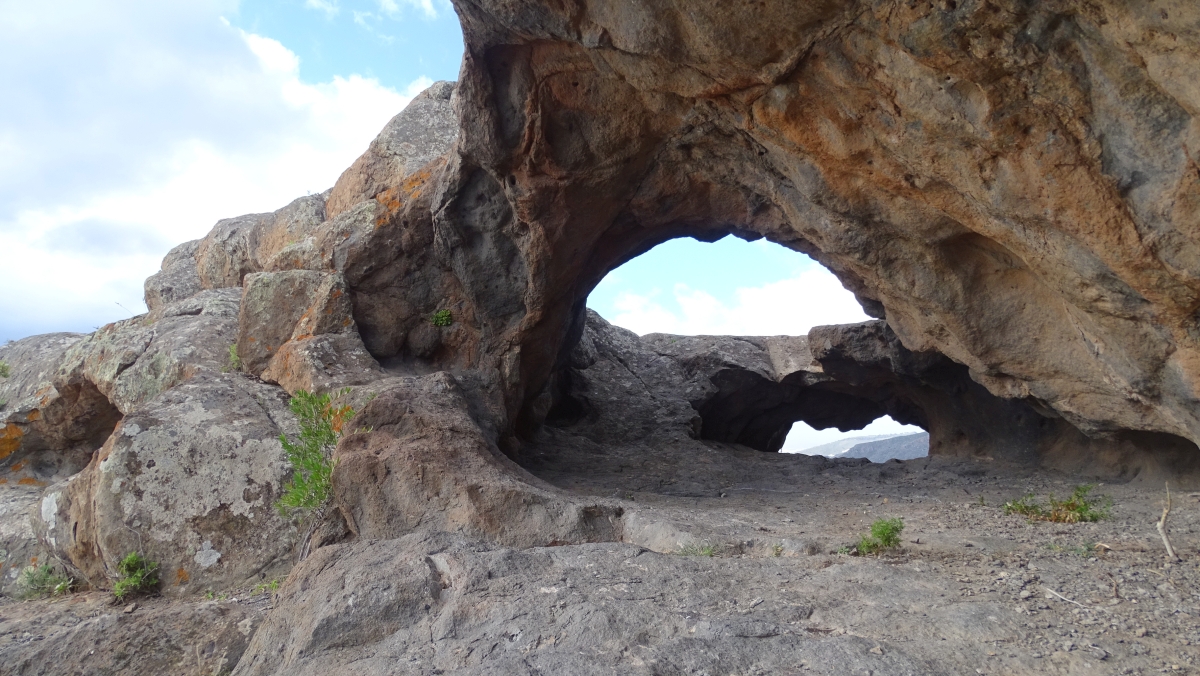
[{"x": 86, "y": 635}]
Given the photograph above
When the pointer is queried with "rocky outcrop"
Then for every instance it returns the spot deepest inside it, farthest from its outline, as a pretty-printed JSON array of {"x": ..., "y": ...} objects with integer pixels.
[{"x": 1011, "y": 185}]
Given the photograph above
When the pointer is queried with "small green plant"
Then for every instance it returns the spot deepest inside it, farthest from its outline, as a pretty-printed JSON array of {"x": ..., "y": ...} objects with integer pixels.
[
  {"x": 1080, "y": 507},
  {"x": 885, "y": 534},
  {"x": 693, "y": 549},
  {"x": 843, "y": 550},
  {"x": 139, "y": 575},
  {"x": 5, "y": 369},
  {"x": 777, "y": 551},
  {"x": 37, "y": 581},
  {"x": 272, "y": 586},
  {"x": 322, "y": 421},
  {"x": 442, "y": 318},
  {"x": 235, "y": 362}
]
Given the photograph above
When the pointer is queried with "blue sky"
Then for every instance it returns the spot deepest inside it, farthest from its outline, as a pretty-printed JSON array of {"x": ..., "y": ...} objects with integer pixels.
[{"x": 131, "y": 126}]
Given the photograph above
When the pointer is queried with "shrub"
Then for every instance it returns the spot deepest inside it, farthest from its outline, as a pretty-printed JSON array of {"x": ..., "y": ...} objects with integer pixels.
[
  {"x": 442, "y": 318},
  {"x": 885, "y": 534},
  {"x": 5, "y": 369},
  {"x": 321, "y": 423},
  {"x": 138, "y": 574},
  {"x": 36, "y": 581},
  {"x": 1075, "y": 509}
]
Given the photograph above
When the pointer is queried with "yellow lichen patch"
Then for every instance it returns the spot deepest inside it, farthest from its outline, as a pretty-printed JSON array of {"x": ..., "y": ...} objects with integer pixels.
[
  {"x": 30, "y": 481},
  {"x": 182, "y": 577},
  {"x": 17, "y": 467},
  {"x": 3, "y": 481},
  {"x": 35, "y": 414},
  {"x": 10, "y": 440}
]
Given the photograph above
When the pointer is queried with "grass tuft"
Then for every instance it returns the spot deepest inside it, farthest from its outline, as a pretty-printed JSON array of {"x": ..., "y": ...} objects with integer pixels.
[
  {"x": 38, "y": 581},
  {"x": 693, "y": 549},
  {"x": 322, "y": 420},
  {"x": 235, "y": 362},
  {"x": 885, "y": 534},
  {"x": 139, "y": 575},
  {"x": 1080, "y": 507},
  {"x": 5, "y": 369}
]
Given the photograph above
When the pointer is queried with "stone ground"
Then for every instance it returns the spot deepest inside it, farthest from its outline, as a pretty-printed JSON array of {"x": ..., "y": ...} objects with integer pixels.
[
  {"x": 971, "y": 587},
  {"x": 972, "y": 590}
]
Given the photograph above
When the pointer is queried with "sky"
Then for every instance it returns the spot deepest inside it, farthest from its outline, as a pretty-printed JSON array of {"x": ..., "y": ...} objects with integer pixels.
[{"x": 131, "y": 126}]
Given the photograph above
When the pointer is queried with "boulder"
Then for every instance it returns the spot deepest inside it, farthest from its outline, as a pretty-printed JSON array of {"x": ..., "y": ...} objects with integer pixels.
[
  {"x": 417, "y": 459},
  {"x": 296, "y": 328},
  {"x": 420, "y": 134},
  {"x": 178, "y": 279},
  {"x": 189, "y": 479}
]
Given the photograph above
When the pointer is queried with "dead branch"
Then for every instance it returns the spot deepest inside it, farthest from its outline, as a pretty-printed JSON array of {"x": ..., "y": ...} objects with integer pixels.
[{"x": 1162, "y": 527}]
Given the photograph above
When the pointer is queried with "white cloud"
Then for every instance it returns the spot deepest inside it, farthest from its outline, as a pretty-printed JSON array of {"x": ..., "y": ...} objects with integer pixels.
[
  {"x": 787, "y": 307},
  {"x": 151, "y": 131},
  {"x": 392, "y": 7},
  {"x": 330, "y": 7}
]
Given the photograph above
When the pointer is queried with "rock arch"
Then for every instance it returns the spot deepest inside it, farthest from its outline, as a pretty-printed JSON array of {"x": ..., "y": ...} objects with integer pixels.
[{"x": 1050, "y": 254}]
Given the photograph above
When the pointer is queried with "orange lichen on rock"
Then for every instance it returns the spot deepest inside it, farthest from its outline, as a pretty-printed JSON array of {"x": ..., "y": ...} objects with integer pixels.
[
  {"x": 182, "y": 577},
  {"x": 10, "y": 440}
]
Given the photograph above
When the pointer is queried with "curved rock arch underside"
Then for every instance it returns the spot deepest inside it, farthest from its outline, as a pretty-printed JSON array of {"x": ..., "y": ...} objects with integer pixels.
[{"x": 1011, "y": 188}]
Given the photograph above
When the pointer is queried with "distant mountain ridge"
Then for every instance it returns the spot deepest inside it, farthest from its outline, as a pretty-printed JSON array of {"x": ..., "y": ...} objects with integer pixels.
[{"x": 876, "y": 448}]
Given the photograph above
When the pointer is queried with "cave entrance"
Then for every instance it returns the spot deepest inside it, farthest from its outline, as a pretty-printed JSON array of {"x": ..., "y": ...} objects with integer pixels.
[{"x": 746, "y": 291}]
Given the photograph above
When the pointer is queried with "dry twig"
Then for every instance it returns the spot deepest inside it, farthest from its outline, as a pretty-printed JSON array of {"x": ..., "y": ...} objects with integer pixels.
[
  {"x": 1063, "y": 597},
  {"x": 1162, "y": 527}
]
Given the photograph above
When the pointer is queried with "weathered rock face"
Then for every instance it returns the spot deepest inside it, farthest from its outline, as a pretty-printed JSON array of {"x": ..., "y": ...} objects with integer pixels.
[
  {"x": 1013, "y": 185},
  {"x": 51, "y": 427},
  {"x": 422, "y": 462},
  {"x": 189, "y": 480},
  {"x": 183, "y": 461}
]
